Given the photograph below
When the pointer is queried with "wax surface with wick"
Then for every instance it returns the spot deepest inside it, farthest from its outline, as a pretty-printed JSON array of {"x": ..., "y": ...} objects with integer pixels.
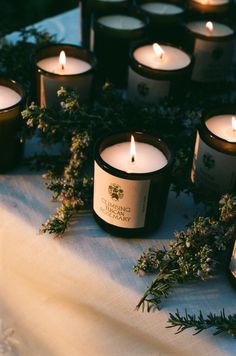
[
  {"x": 8, "y": 97},
  {"x": 162, "y": 8},
  {"x": 72, "y": 66},
  {"x": 148, "y": 158},
  {"x": 173, "y": 58},
  {"x": 212, "y": 2},
  {"x": 219, "y": 29},
  {"x": 121, "y": 22},
  {"x": 221, "y": 126}
]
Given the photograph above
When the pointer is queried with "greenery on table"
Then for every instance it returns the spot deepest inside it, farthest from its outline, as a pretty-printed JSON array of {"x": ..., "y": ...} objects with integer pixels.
[
  {"x": 16, "y": 58},
  {"x": 221, "y": 322},
  {"x": 194, "y": 253}
]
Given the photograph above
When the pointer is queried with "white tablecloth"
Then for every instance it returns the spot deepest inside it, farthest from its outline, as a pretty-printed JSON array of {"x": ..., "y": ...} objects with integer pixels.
[{"x": 77, "y": 295}]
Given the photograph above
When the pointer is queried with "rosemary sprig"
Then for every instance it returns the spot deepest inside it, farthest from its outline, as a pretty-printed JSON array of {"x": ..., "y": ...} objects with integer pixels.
[
  {"x": 221, "y": 322},
  {"x": 16, "y": 59},
  {"x": 193, "y": 255}
]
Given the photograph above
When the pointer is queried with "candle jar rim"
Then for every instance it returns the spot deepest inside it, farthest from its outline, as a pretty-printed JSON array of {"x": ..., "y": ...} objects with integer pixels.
[
  {"x": 124, "y": 136},
  {"x": 215, "y": 140},
  {"x": 99, "y": 5},
  {"x": 164, "y": 15},
  {"x": 18, "y": 88},
  {"x": 90, "y": 57},
  {"x": 209, "y": 8},
  {"x": 152, "y": 72},
  {"x": 126, "y": 33},
  {"x": 210, "y": 38}
]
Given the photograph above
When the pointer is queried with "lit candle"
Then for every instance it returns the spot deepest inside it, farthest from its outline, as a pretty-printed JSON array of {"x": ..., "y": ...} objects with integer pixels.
[
  {"x": 162, "y": 57},
  {"x": 131, "y": 182},
  {"x": 112, "y": 38},
  {"x": 214, "y": 164},
  {"x": 223, "y": 126},
  {"x": 155, "y": 70},
  {"x": 212, "y": 2},
  {"x": 213, "y": 47},
  {"x": 63, "y": 66},
  {"x": 213, "y": 7},
  {"x": 210, "y": 29},
  {"x": 11, "y": 101},
  {"x": 144, "y": 158},
  {"x": 8, "y": 97}
]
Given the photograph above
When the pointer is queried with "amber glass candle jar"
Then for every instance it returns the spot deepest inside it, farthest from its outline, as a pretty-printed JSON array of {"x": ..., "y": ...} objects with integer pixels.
[
  {"x": 131, "y": 183},
  {"x": 11, "y": 105}
]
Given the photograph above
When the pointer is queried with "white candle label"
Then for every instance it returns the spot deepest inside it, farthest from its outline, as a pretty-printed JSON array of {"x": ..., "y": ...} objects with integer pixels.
[
  {"x": 213, "y": 169},
  {"x": 120, "y": 202},
  {"x": 145, "y": 89},
  {"x": 212, "y": 60},
  {"x": 50, "y": 86},
  {"x": 233, "y": 261}
]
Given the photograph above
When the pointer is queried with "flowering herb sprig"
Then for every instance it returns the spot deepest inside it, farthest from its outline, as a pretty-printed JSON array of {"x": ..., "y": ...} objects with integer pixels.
[{"x": 194, "y": 254}]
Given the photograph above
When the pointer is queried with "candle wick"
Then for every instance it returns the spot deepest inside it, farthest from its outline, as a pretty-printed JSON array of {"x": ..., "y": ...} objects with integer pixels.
[
  {"x": 132, "y": 159},
  {"x": 62, "y": 67}
]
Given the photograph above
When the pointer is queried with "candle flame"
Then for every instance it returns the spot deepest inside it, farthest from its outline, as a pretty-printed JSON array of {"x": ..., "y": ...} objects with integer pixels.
[
  {"x": 62, "y": 60},
  {"x": 209, "y": 26},
  {"x": 132, "y": 149},
  {"x": 234, "y": 123},
  {"x": 158, "y": 50}
]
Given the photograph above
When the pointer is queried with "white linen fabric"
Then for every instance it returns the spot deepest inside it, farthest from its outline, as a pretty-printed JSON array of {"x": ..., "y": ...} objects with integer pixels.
[{"x": 76, "y": 296}]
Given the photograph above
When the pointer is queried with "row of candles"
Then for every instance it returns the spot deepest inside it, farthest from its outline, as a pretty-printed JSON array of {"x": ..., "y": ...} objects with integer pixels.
[{"x": 131, "y": 179}]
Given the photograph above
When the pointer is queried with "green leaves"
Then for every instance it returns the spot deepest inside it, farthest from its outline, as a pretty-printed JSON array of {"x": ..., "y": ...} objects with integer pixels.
[
  {"x": 221, "y": 323},
  {"x": 192, "y": 255}
]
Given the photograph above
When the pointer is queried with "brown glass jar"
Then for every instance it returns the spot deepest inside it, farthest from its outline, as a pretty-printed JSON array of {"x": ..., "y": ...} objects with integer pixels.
[
  {"x": 128, "y": 201},
  {"x": 11, "y": 147}
]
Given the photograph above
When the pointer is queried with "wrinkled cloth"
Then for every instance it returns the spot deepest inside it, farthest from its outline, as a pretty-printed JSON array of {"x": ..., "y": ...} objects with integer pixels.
[{"x": 77, "y": 295}]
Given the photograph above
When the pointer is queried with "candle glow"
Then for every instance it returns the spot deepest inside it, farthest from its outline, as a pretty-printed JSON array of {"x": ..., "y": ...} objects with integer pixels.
[
  {"x": 234, "y": 123},
  {"x": 62, "y": 59},
  {"x": 158, "y": 50},
  {"x": 132, "y": 149},
  {"x": 209, "y": 26}
]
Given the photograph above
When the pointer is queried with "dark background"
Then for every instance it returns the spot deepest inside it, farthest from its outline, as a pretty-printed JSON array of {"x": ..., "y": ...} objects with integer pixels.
[{"x": 16, "y": 14}]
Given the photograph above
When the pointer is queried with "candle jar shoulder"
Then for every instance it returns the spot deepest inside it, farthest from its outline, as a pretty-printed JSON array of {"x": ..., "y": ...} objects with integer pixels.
[
  {"x": 214, "y": 161},
  {"x": 202, "y": 10},
  {"x": 11, "y": 148},
  {"x": 150, "y": 84},
  {"x": 130, "y": 204},
  {"x": 78, "y": 72},
  {"x": 213, "y": 52},
  {"x": 111, "y": 46},
  {"x": 165, "y": 24}
]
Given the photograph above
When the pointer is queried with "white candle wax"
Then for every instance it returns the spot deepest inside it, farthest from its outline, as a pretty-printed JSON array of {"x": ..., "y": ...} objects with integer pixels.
[
  {"x": 8, "y": 97},
  {"x": 221, "y": 126},
  {"x": 162, "y": 8},
  {"x": 173, "y": 58},
  {"x": 121, "y": 22},
  {"x": 219, "y": 29},
  {"x": 148, "y": 158},
  {"x": 212, "y": 2},
  {"x": 72, "y": 66}
]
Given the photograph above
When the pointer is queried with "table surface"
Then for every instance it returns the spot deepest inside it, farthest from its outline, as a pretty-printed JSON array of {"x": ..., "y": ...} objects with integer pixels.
[{"x": 77, "y": 295}]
